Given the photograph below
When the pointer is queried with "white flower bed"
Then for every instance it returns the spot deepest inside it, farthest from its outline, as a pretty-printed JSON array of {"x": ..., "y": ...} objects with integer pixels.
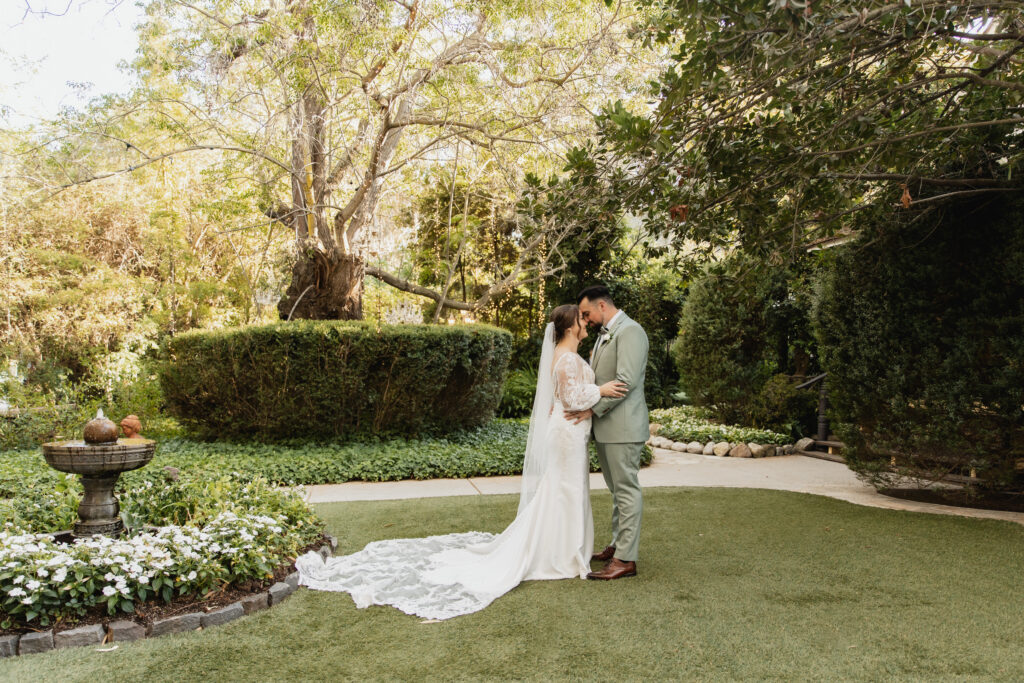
[
  {"x": 681, "y": 424},
  {"x": 41, "y": 579}
]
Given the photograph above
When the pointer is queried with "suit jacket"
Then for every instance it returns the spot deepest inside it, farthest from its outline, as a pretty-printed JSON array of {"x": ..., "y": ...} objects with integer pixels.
[{"x": 623, "y": 357}]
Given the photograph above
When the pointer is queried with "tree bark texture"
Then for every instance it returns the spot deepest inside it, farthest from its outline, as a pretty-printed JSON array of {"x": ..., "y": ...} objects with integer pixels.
[{"x": 324, "y": 286}]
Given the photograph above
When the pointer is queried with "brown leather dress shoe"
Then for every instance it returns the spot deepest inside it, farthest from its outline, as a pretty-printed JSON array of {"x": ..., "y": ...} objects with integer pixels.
[
  {"x": 616, "y": 569},
  {"x": 603, "y": 556}
]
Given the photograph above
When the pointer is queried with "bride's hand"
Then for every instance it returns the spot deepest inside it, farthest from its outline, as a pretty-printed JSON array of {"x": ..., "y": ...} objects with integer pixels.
[{"x": 613, "y": 389}]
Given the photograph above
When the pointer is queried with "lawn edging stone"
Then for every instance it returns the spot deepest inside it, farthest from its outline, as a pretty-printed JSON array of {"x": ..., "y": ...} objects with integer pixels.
[
  {"x": 79, "y": 637},
  {"x": 32, "y": 643},
  {"x": 9, "y": 646},
  {"x": 125, "y": 630},
  {"x": 219, "y": 617},
  {"x": 722, "y": 449}
]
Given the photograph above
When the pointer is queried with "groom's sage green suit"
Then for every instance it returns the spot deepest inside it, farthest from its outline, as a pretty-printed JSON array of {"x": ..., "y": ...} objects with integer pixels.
[{"x": 621, "y": 427}]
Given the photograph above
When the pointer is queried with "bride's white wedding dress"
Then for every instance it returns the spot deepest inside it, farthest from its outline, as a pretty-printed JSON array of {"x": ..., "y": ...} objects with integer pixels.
[{"x": 552, "y": 536}]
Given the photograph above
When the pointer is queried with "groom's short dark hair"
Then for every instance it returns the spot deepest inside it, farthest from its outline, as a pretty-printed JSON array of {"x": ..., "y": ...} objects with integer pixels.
[{"x": 595, "y": 292}]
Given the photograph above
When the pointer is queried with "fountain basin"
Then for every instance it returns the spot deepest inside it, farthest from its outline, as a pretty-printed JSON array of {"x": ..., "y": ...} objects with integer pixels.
[{"x": 79, "y": 457}]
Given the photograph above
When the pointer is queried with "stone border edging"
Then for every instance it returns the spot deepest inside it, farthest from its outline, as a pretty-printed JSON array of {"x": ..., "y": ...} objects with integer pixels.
[
  {"x": 126, "y": 630},
  {"x": 722, "y": 449}
]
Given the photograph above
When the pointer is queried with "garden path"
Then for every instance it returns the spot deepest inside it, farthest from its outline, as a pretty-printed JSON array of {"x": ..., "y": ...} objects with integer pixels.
[{"x": 784, "y": 473}]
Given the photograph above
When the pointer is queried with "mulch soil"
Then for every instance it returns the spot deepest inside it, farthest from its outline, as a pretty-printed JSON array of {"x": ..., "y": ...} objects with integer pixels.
[
  {"x": 154, "y": 610},
  {"x": 1010, "y": 502}
]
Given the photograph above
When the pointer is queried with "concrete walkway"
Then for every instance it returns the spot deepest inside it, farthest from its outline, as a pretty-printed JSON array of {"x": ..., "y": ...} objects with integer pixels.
[{"x": 669, "y": 468}]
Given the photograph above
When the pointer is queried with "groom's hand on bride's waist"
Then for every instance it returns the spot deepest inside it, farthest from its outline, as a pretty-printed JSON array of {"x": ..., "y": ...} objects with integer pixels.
[{"x": 577, "y": 416}]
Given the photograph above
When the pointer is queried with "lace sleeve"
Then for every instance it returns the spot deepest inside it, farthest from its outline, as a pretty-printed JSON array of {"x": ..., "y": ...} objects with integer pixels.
[{"x": 570, "y": 388}]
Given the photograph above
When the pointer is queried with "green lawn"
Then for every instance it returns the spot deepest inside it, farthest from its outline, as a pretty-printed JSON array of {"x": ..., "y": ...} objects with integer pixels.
[{"x": 734, "y": 584}]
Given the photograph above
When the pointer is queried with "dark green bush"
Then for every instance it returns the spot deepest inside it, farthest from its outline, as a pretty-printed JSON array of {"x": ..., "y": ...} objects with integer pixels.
[
  {"x": 744, "y": 322},
  {"x": 921, "y": 323},
  {"x": 781, "y": 407},
  {"x": 520, "y": 387},
  {"x": 323, "y": 378}
]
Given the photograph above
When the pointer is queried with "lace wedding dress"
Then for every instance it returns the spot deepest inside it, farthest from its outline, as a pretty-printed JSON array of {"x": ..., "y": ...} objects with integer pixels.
[{"x": 552, "y": 536}]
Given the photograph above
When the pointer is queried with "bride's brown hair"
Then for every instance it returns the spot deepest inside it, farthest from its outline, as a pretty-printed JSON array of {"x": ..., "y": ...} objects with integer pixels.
[{"x": 564, "y": 317}]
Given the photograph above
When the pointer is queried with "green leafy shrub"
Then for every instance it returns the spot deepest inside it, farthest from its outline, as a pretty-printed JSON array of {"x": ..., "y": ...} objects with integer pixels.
[
  {"x": 517, "y": 399},
  {"x": 743, "y": 322},
  {"x": 921, "y": 323},
  {"x": 317, "y": 378},
  {"x": 686, "y": 423},
  {"x": 781, "y": 407}
]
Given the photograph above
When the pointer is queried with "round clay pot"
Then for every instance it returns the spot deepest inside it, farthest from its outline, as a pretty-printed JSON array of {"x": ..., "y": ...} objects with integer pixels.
[{"x": 100, "y": 430}]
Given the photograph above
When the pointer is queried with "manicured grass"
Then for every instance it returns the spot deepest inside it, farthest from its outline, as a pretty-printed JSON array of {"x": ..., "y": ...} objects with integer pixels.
[{"x": 734, "y": 584}]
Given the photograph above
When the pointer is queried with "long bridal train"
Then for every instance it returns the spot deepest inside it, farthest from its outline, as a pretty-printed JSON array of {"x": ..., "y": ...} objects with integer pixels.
[{"x": 552, "y": 536}]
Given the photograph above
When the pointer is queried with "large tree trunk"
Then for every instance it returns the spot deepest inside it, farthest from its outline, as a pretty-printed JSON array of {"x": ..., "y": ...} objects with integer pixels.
[{"x": 325, "y": 286}]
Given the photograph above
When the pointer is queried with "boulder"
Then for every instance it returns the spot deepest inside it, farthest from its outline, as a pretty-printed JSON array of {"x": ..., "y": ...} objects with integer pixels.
[
  {"x": 694, "y": 447},
  {"x": 803, "y": 444},
  {"x": 770, "y": 451},
  {"x": 756, "y": 450},
  {"x": 722, "y": 449},
  {"x": 740, "y": 450},
  {"x": 654, "y": 428},
  {"x": 292, "y": 579},
  {"x": 709, "y": 448},
  {"x": 678, "y": 447},
  {"x": 787, "y": 449}
]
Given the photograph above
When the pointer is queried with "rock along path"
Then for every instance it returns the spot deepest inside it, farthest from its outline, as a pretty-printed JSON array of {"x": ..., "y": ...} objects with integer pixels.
[{"x": 669, "y": 468}]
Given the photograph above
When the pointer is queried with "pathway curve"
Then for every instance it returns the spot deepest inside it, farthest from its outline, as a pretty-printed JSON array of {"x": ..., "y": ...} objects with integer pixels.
[{"x": 669, "y": 468}]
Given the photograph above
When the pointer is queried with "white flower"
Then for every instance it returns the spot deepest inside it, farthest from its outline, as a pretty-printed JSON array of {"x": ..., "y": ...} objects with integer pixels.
[
  {"x": 109, "y": 590},
  {"x": 19, "y": 579},
  {"x": 43, "y": 573},
  {"x": 192, "y": 575},
  {"x": 26, "y": 601},
  {"x": 32, "y": 585},
  {"x": 16, "y": 592}
]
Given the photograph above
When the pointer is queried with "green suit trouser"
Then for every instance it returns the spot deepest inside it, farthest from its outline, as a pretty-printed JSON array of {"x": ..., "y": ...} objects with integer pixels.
[{"x": 620, "y": 465}]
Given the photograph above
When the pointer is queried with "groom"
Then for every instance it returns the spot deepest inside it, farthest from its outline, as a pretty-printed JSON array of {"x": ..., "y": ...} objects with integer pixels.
[{"x": 620, "y": 425}]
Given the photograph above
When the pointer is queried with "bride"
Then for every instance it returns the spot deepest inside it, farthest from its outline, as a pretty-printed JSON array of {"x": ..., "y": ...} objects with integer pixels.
[{"x": 552, "y": 536}]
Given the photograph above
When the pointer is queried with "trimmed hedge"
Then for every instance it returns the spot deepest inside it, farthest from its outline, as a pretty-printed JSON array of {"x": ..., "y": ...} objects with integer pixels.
[{"x": 326, "y": 378}]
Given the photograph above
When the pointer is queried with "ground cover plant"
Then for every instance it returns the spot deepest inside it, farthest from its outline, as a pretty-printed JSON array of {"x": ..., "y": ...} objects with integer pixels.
[
  {"x": 689, "y": 423},
  {"x": 186, "y": 536},
  {"x": 733, "y": 584},
  {"x": 493, "y": 450}
]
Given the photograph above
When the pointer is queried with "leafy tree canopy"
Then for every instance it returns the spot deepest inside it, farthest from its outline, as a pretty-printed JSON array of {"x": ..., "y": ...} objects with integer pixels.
[{"x": 777, "y": 127}]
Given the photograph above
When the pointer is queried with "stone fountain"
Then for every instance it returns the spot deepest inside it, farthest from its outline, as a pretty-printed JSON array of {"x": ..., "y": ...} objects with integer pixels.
[{"x": 99, "y": 459}]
